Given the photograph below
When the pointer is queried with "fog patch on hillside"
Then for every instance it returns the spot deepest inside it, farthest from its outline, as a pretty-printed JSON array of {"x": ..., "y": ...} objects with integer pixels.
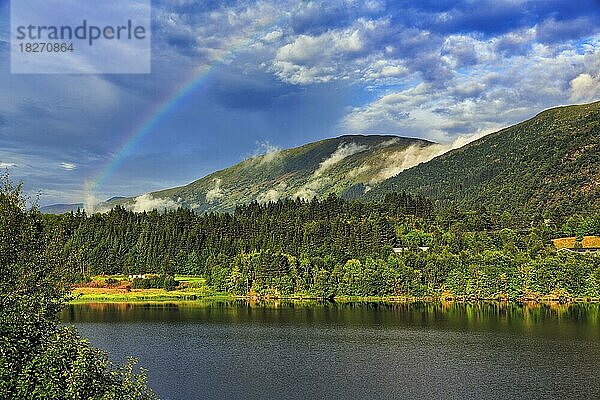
[
  {"x": 215, "y": 193},
  {"x": 266, "y": 152},
  {"x": 318, "y": 180},
  {"x": 147, "y": 202},
  {"x": 416, "y": 154},
  {"x": 343, "y": 151},
  {"x": 272, "y": 195},
  {"x": 388, "y": 143}
]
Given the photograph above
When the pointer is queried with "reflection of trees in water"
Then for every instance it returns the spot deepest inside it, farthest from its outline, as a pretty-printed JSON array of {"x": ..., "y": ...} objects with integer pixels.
[{"x": 537, "y": 318}]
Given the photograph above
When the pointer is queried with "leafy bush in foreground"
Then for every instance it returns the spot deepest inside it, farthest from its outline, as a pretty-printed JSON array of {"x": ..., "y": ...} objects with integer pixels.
[{"x": 39, "y": 359}]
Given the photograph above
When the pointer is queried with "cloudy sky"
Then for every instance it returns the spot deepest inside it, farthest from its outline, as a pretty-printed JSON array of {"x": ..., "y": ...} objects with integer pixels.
[{"x": 283, "y": 73}]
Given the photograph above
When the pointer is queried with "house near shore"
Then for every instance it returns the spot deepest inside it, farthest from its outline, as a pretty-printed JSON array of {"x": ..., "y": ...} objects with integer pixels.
[
  {"x": 140, "y": 276},
  {"x": 588, "y": 245},
  {"x": 405, "y": 249}
]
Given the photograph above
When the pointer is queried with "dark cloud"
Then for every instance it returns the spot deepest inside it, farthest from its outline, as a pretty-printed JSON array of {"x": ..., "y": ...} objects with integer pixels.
[
  {"x": 513, "y": 45},
  {"x": 431, "y": 68},
  {"x": 256, "y": 92},
  {"x": 563, "y": 9},
  {"x": 552, "y": 30}
]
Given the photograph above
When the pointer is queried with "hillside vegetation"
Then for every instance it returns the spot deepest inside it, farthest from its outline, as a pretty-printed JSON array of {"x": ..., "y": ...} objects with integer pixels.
[
  {"x": 548, "y": 164},
  {"x": 345, "y": 166},
  {"x": 334, "y": 248}
]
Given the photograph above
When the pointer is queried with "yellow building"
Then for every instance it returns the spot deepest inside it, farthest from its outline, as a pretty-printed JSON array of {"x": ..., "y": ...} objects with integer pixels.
[{"x": 589, "y": 244}]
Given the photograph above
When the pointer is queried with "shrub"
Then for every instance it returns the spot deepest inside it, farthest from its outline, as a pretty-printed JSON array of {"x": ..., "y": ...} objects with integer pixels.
[{"x": 39, "y": 359}]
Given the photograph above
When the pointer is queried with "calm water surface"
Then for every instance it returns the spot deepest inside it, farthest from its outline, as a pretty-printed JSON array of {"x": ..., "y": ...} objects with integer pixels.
[{"x": 238, "y": 350}]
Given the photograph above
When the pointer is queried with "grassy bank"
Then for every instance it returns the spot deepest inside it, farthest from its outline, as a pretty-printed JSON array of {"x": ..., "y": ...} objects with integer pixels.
[
  {"x": 99, "y": 295},
  {"x": 190, "y": 288},
  {"x": 94, "y": 295}
]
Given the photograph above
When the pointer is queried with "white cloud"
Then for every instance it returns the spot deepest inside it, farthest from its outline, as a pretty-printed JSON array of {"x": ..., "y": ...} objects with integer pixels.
[
  {"x": 147, "y": 202},
  {"x": 273, "y": 194},
  {"x": 273, "y": 35},
  {"x": 389, "y": 142},
  {"x": 310, "y": 190},
  {"x": 489, "y": 97},
  {"x": 382, "y": 69},
  {"x": 463, "y": 50},
  {"x": 585, "y": 88},
  {"x": 68, "y": 166},
  {"x": 306, "y": 48},
  {"x": 301, "y": 74},
  {"x": 353, "y": 173},
  {"x": 218, "y": 34},
  {"x": 333, "y": 54},
  {"x": 90, "y": 200},
  {"x": 267, "y": 152},
  {"x": 317, "y": 181},
  {"x": 215, "y": 193},
  {"x": 414, "y": 155},
  {"x": 7, "y": 165},
  {"x": 344, "y": 150}
]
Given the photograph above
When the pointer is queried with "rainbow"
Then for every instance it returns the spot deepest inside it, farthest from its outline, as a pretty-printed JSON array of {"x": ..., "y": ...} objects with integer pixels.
[
  {"x": 158, "y": 112},
  {"x": 145, "y": 126}
]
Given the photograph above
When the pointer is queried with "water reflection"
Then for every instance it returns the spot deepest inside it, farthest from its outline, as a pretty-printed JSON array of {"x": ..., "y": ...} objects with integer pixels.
[
  {"x": 576, "y": 318},
  {"x": 299, "y": 350}
]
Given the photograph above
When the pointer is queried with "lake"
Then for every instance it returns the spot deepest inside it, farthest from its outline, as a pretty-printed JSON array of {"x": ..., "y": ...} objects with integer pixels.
[{"x": 304, "y": 350}]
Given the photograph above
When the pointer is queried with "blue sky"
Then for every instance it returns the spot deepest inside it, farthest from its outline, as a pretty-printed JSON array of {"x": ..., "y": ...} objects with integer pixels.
[{"x": 283, "y": 73}]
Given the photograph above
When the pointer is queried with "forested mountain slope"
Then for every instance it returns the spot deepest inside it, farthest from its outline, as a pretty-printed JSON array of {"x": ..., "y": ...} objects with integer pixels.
[
  {"x": 550, "y": 163},
  {"x": 345, "y": 165}
]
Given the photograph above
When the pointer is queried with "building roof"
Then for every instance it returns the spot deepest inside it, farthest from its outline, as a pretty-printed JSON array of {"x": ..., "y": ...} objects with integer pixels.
[
  {"x": 588, "y": 242},
  {"x": 403, "y": 249}
]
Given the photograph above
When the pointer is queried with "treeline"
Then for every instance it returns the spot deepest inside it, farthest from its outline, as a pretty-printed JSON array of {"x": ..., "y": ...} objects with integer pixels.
[
  {"x": 181, "y": 241},
  {"x": 505, "y": 263},
  {"x": 334, "y": 247}
]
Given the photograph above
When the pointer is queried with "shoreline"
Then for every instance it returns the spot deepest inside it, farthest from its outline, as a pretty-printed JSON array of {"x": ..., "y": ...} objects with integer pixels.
[{"x": 82, "y": 296}]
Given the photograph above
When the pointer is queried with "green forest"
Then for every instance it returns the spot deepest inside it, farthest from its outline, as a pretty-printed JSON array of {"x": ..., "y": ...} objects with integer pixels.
[{"x": 334, "y": 248}]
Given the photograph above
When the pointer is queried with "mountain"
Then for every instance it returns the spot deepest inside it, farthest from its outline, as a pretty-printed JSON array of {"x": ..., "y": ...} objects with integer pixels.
[
  {"x": 65, "y": 208},
  {"x": 347, "y": 166},
  {"x": 550, "y": 164},
  {"x": 61, "y": 208},
  {"x": 116, "y": 198}
]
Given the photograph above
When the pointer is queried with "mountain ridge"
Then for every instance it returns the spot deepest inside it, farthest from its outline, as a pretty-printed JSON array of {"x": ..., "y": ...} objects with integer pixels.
[
  {"x": 342, "y": 165},
  {"x": 543, "y": 164},
  {"x": 548, "y": 163}
]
